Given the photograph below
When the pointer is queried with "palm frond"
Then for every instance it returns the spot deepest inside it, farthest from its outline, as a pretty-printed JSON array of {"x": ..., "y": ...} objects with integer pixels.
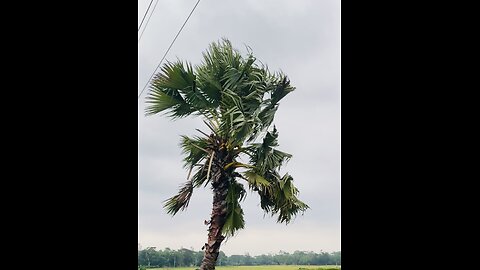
[
  {"x": 209, "y": 85},
  {"x": 234, "y": 221},
  {"x": 200, "y": 176},
  {"x": 289, "y": 204},
  {"x": 194, "y": 150},
  {"x": 266, "y": 116},
  {"x": 178, "y": 81},
  {"x": 281, "y": 198},
  {"x": 181, "y": 200},
  {"x": 210, "y": 165},
  {"x": 282, "y": 88},
  {"x": 255, "y": 180},
  {"x": 236, "y": 164},
  {"x": 162, "y": 98},
  {"x": 265, "y": 156}
]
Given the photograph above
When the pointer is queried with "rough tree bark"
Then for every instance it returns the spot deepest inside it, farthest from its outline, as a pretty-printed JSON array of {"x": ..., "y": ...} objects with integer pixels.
[{"x": 219, "y": 212}]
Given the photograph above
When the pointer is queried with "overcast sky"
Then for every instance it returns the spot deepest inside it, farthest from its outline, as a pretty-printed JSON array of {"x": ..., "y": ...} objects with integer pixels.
[{"x": 299, "y": 37}]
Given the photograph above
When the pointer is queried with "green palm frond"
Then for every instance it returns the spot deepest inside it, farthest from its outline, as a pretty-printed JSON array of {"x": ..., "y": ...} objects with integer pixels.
[
  {"x": 178, "y": 81},
  {"x": 200, "y": 176},
  {"x": 287, "y": 203},
  {"x": 194, "y": 150},
  {"x": 234, "y": 221},
  {"x": 255, "y": 180},
  {"x": 209, "y": 85},
  {"x": 280, "y": 197},
  {"x": 282, "y": 89},
  {"x": 176, "y": 75},
  {"x": 265, "y": 156},
  {"x": 167, "y": 84},
  {"x": 181, "y": 200},
  {"x": 166, "y": 99},
  {"x": 266, "y": 116},
  {"x": 271, "y": 138}
]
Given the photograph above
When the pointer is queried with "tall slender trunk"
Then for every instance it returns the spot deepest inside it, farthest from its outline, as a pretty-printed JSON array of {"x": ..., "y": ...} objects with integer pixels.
[{"x": 218, "y": 217}]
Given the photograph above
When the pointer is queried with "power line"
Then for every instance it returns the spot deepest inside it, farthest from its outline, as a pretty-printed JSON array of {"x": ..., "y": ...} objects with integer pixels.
[
  {"x": 144, "y": 15},
  {"x": 169, "y": 48},
  {"x": 146, "y": 24}
]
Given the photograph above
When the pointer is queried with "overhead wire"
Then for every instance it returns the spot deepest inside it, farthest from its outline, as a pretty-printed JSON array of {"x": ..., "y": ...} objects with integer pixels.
[
  {"x": 166, "y": 52},
  {"x": 146, "y": 24},
  {"x": 144, "y": 15}
]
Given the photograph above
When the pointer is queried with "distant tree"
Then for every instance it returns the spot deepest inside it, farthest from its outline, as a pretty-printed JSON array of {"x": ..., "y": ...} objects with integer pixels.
[
  {"x": 282, "y": 258},
  {"x": 187, "y": 258},
  {"x": 236, "y": 259},
  {"x": 248, "y": 260},
  {"x": 336, "y": 258},
  {"x": 237, "y": 99},
  {"x": 263, "y": 260},
  {"x": 222, "y": 258},
  {"x": 142, "y": 259},
  {"x": 199, "y": 258},
  {"x": 148, "y": 256}
]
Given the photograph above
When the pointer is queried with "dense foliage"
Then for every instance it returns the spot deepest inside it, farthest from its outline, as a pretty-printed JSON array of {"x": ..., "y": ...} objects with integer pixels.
[{"x": 187, "y": 258}]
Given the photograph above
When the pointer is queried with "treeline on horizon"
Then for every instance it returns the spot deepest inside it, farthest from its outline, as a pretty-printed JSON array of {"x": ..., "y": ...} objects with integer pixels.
[{"x": 189, "y": 258}]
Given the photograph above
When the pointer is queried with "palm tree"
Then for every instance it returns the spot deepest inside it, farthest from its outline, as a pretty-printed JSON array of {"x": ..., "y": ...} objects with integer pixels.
[{"x": 237, "y": 99}]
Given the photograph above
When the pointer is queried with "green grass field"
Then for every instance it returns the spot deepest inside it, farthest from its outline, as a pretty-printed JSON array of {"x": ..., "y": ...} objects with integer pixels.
[{"x": 260, "y": 267}]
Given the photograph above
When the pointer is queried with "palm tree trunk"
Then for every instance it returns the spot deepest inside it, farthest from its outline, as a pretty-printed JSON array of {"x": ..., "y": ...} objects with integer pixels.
[{"x": 218, "y": 218}]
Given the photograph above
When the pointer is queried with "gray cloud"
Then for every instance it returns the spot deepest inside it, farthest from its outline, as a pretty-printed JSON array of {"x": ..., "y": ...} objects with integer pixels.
[{"x": 301, "y": 38}]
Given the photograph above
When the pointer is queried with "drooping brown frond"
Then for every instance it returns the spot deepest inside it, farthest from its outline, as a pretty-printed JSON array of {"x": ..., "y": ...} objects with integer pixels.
[{"x": 181, "y": 200}]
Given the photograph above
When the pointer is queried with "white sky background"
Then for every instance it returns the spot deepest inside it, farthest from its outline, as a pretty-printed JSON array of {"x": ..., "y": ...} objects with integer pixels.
[{"x": 301, "y": 38}]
